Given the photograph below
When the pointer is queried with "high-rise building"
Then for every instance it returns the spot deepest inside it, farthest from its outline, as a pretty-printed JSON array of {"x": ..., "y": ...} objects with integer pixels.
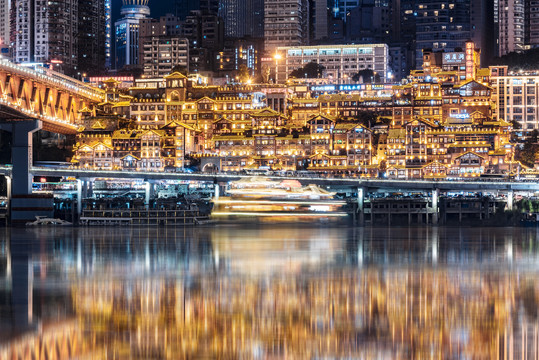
[
  {"x": 234, "y": 13},
  {"x": 205, "y": 33},
  {"x": 369, "y": 22},
  {"x": 532, "y": 23},
  {"x": 340, "y": 8},
  {"x": 47, "y": 34},
  {"x": 182, "y": 8},
  {"x": 510, "y": 21},
  {"x": 92, "y": 37},
  {"x": 255, "y": 20},
  {"x": 5, "y": 11},
  {"x": 209, "y": 6},
  {"x": 108, "y": 34},
  {"x": 319, "y": 20},
  {"x": 286, "y": 23},
  {"x": 70, "y": 35},
  {"x": 242, "y": 18},
  {"x": 127, "y": 32},
  {"x": 441, "y": 25},
  {"x": 482, "y": 23},
  {"x": 161, "y": 46}
]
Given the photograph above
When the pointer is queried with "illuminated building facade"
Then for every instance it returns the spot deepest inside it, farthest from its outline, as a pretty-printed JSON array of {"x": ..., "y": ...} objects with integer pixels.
[
  {"x": 341, "y": 62},
  {"x": 441, "y": 122},
  {"x": 161, "y": 47},
  {"x": 46, "y": 34},
  {"x": 161, "y": 54},
  {"x": 516, "y": 97}
]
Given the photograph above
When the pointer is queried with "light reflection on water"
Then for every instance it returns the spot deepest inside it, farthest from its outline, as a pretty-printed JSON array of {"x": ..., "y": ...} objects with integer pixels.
[{"x": 270, "y": 292}]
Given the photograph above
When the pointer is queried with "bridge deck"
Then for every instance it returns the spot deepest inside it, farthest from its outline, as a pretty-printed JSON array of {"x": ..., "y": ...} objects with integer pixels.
[{"x": 420, "y": 185}]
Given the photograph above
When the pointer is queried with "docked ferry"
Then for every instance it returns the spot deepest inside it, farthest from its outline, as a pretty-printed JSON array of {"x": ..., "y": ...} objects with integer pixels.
[{"x": 263, "y": 199}]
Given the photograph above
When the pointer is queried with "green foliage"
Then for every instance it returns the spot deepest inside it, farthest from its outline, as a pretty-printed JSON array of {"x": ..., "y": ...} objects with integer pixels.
[
  {"x": 516, "y": 125},
  {"x": 527, "y": 154},
  {"x": 312, "y": 69},
  {"x": 526, "y": 60},
  {"x": 243, "y": 73},
  {"x": 366, "y": 76},
  {"x": 367, "y": 118},
  {"x": 179, "y": 68}
]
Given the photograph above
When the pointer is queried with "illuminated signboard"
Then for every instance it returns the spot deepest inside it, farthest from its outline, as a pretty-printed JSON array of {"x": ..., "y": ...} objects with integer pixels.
[
  {"x": 98, "y": 79},
  {"x": 454, "y": 58},
  {"x": 470, "y": 60},
  {"x": 323, "y": 88},
  {"x": 459, "y": 116},
  {"x": 351, "y": 87}
]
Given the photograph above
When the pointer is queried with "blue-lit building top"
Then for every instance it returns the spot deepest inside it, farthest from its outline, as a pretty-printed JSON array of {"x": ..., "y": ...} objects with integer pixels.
[{"x": 127, "y": 32}]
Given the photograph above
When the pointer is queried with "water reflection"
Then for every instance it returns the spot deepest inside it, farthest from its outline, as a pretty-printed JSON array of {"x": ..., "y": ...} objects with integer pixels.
[{"x": 294, "y": 292}]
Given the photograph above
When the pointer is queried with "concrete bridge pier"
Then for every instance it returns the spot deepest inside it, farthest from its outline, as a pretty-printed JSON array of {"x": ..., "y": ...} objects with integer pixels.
[
  {"x": 510, "y": 200},
  {"x": 149, "y": 193},
  {"x": 435, "y": 198},
  {"x": 23, "y": 205},
  {"x": 361, "y": 204},
  {"x": 85, "y": 189}
]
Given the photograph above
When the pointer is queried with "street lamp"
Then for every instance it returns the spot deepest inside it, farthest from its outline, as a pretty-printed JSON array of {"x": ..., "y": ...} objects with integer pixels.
[{"x": 277, "y": 57}]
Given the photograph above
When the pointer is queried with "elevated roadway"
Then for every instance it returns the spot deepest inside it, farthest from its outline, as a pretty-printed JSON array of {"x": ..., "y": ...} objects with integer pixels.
[{"x": 372, "y": 184}]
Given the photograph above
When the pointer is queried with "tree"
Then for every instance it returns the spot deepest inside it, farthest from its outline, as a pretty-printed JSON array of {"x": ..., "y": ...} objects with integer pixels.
[
  {"x": 519, "y": 61},
  {"x": 311, "y": 70},
  {"x": 366, "y": 75},
  {"x": 243, "y": 73},
  {"x": 516, "y": 125},
  {"x": 533, "y": 136},
  {"x": 179, "y": 68},
  {"x": 527, "y": 154},
  {"x": 367, "y": 118}
]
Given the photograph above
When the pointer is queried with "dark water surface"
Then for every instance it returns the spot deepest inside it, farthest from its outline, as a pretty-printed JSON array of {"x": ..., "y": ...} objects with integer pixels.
[{"x": 270, "y": 292}]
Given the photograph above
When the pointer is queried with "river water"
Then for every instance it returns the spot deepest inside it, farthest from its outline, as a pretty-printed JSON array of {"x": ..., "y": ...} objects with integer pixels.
[{"x": 294, "y": 292}]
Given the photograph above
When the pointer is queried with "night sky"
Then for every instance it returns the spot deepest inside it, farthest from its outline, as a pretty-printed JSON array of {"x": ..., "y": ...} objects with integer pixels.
[{"x": 159, "y": 8}]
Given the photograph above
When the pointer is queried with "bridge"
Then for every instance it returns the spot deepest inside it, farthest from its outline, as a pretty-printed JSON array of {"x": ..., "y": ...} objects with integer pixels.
[
  {"x": 45, "y": 95},
  {"x": 35, "y": 99},
  {"x": 373, "y": 184},
  {"x": 359, "y": 186}
]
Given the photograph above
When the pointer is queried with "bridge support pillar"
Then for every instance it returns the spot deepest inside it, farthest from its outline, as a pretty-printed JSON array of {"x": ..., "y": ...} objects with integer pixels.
[
  {"x": 84, "y": 190},
  {"x": 361, "y": 204},
  {"x": 510, "y": 199},
  {"x": 435, "y": 197},
  {"x": 149, "y": 193},
  {"x": 89, "y": 188},
  {"x": 25, "y": 206}
]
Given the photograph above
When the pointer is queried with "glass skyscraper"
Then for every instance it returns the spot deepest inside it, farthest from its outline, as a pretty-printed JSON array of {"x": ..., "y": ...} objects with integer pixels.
[{"x": 126, "y": 32}]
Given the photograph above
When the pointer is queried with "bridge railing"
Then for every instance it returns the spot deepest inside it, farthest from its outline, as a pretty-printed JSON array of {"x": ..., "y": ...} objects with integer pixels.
[{"x": 55, "y": 78}]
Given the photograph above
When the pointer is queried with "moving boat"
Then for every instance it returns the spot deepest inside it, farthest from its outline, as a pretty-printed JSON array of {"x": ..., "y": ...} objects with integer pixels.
[
  {"x": 43, "y": 220},
  {"x": 263, "y": 199}
]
